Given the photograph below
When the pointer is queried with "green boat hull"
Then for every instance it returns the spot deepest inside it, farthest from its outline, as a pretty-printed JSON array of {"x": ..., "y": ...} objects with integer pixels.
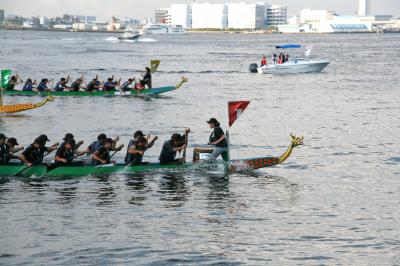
[
  {"x": 153, "y": 91},
  {"x": 42, "y": 170}
]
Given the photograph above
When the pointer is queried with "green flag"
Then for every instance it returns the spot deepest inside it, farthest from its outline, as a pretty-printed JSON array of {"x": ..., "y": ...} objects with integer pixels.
[
  {"x": 154, "y": 65},
  {"x": 5, "y": 77}
]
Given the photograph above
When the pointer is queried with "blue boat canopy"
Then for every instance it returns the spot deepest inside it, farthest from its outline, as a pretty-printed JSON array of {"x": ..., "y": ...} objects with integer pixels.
[{"x": 288, "y": 46}]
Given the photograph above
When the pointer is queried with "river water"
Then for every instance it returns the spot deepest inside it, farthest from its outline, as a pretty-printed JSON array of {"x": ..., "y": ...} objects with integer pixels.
[{"x": 335, "y": 201}]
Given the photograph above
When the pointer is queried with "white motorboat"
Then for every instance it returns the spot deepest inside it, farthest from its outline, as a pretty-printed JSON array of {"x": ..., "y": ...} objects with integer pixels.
[
  {"x": 129, "y": 34},
  {"x": 163, "y": 29},
  {"x": 293, "y": 66},
  {"x": 296, "y": 66}
]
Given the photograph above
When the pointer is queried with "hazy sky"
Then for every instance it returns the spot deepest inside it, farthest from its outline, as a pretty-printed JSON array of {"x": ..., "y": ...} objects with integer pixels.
[{"x": 104, "y": 9}]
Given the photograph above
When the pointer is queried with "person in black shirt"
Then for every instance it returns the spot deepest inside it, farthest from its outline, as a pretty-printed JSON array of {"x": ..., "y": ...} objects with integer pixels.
[
  {"x": 217, "y": 138},
  {"x": 34, "y": 153},
  {"x": 146, "y": 78},
  {"x": 131, "y": 145},
  {"x": 102, "y": 155},
  {"x": 7, "y": 149},
  {"x": 136, "y": 151},
  {"x": 94, "y": 85},
  {"x": 62, "y": 84},
  {"x": 170, "y": 148},
  {"x": 76, "y": 85},
  {"x": 66, "y": 154},
  {"x": 14, "y": 80}
]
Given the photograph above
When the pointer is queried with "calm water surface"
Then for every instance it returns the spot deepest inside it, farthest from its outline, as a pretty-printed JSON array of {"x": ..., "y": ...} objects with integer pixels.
[{"x": 336, "y": 201}]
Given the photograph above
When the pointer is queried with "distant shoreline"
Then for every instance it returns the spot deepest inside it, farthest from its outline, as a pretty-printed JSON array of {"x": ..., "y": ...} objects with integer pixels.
[{"x": 196, "y": 31}]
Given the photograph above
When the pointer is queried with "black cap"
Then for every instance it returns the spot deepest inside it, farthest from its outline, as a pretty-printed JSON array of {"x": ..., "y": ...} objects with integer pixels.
[
  {"x": 212, "y": 121},
  {"x": 43, "y": 137},
  {"x": 13, "y": 141},
  {"x": 70, "y": 141},
  {"x": 102, "y": 136},
  {"x": 138, "y": 134},
  {"x": 2, "y": 136},
  {"x": 68, "y": 136},
  {"x": 176, "y": 137}
]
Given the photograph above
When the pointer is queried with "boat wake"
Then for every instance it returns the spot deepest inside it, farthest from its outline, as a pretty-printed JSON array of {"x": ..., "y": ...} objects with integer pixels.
[
  {"x": 147, "y": 40},
  {"x": 112, "y": 39}
]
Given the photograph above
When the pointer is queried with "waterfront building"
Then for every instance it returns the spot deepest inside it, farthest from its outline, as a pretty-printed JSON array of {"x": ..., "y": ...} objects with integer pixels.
[
  {"x": 246, "y": 16},
  {"x": 181, "y": 14},
  {"x": 209, "y": 16},
  {"x": 1, "y": 15},
  {"x": 90, "y": 19},
  {"x": 314, "y": 15},
  {"x": 163, "y": 16},
  {"x": 364, "y": 8},
  {"x": 276, "y": 15}
]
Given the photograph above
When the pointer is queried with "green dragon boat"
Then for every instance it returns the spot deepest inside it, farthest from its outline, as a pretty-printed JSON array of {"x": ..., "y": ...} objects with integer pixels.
[
  {"x": 68, "y": 171},
  {"x": 152, "y": 91}
]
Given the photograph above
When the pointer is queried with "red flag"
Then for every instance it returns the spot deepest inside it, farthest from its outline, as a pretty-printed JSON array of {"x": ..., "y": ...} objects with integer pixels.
[{"x": 235, "y": 109}]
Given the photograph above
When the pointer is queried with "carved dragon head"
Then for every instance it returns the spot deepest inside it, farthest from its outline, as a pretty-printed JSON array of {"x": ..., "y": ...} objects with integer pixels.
[{"x": 297, "y": 141}]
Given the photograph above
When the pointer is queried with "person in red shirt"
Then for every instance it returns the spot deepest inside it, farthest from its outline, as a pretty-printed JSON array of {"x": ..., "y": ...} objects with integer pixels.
[{"x": 264, "y": 61}]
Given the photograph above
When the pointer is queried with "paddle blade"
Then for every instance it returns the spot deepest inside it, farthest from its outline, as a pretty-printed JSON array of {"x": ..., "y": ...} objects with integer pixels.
[
  {"x": 154, "y": 65},
  {"x": 235, "y": 109},
  {"x": 5, "y": 77}
]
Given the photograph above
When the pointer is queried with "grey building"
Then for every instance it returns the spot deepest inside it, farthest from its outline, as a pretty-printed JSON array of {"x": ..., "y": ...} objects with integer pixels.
[
  {"x": 276, "y": 15},
  {"x": 1, "y": 15}
]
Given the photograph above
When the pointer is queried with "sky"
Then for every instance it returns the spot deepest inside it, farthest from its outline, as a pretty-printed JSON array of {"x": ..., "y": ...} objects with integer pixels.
[{"x": 141, "y": 9}]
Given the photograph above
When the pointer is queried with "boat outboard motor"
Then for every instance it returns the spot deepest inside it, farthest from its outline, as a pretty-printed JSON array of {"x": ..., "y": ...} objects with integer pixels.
[{"x": 253, "y": 68}]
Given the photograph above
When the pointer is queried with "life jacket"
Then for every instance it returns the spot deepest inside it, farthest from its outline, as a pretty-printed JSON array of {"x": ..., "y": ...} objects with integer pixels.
[
  {"x": 104, "y": 156},
  {"x": 42, "y": 86},
  {"x": 36, "y": 155},
  {"x": 95, "y": 146},
  {"x": 27, "y": 87},
  {"x": 59, "y": 86},
  {"x": 263, "y": 62}
]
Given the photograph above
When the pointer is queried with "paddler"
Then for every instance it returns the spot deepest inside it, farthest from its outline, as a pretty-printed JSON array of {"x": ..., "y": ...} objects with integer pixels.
[
  {"x": 65, "y": 154},
  {"x": 14, "y": 80},
  {"x": 34, "y": 153},
  {"x": 217, "y": 138},
  {"x": 29, "y": 85},
  {"x": 126, "y": 86},
  {"x": 146, "y": 80},
  {"x": 102, "y": 155},
  {"x": 133, "y": 148},
  {"x": 94, "y": 85},
  {"x": 62, "y": 84},
  {"x": 70, "y": 136},
  {"x": 95, "y": 145},
  {"x": 171, "y": 148},
  {"x": 136, "y": 152},
  {"x": 76, "y": 85},
  {"x": 110, "y": 84},
  {"x": 8, "y": 150},
  {"x": 42, "y": 86}
]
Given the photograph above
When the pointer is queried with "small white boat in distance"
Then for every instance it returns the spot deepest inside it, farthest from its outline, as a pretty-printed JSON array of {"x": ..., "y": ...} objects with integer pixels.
[
  {"x": 129, "y": 34},
  {"x": 293, "y": 66},
  {"x": 163, "y": 29}
]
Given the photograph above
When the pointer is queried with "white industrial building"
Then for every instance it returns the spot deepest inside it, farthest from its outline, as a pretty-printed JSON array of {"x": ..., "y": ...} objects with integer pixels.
[
  {"x": 315, "y": 15},
  {"x": 364, "y": 8},
  {"x": 246, "y": 16},
  {"x": 209, "y": 16},
  {"x": 181, "y": 14},
  {"x": 276, "y": 15}
]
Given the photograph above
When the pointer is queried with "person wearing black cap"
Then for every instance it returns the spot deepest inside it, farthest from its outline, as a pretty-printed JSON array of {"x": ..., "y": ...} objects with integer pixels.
[
  {"x": 8, "y": 150},
  {"x": 71, "y": 136},
  {"x": 217, "y": 138},
  {"x": 94, "y": 85},
  {"x": 133, "y": 150},
  {"x": 171, "y": 147},
  {"x": 34, "y": 153},
  {"x": 66, "y": 154}
]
